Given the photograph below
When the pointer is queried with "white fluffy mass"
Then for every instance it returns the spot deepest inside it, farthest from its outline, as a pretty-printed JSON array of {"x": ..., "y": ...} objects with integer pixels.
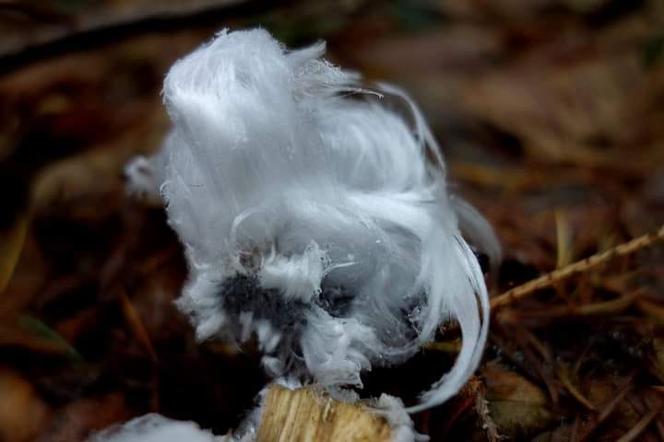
[
  {"x": 156, "y": 428},
  {"x": 311, "y": 218}
]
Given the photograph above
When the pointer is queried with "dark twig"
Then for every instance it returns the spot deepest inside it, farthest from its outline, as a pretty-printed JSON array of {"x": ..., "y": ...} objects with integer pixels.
[
  {"x": 82, "y": 38},
  {"x": 610, "y": 407}
]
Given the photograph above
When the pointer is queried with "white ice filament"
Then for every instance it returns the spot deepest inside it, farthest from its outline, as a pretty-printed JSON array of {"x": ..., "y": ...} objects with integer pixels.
[{"x": 312, "y": 218}]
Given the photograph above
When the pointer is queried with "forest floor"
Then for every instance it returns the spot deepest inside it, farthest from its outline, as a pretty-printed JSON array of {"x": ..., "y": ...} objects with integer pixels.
[{"x": 550, "y": 114}]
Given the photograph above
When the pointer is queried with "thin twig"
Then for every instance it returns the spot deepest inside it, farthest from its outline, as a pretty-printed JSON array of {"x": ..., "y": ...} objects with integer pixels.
[
  {"x": 112, "y": 29},
  {"x": 584, "y": 265},
  {"x": 640, "y": 426},
  {"x": 610, "y": 407},
  {"x": 136, "y": 324},
  {"x": 565, "y": 379}
]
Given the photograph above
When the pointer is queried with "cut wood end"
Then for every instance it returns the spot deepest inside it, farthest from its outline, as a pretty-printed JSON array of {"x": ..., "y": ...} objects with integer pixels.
[{"x": 307, "y": 414}]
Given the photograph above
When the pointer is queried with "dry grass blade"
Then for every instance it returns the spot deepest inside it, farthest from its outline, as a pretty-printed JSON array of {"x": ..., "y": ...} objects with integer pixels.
[
  {"x": 610, "y": 407},
  {"x": 11, "y": 245},
  {"x": 563, "y": 239},
  {"x": 584, "y": 265},
  {"x": 564, "y": 376},
  {"x": 136, "y": 324},
  {"x": 640, "y": 426},
  {"x": 604, "y": 308},
  {"x": 651, "y": 309}
]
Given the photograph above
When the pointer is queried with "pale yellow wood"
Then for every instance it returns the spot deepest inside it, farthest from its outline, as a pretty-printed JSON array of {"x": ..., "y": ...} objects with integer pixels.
[{"x": 306, "y": 414}]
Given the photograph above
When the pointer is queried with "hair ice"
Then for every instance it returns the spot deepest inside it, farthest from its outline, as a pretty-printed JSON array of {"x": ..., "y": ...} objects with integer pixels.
[{"x": 311, "y": 217}]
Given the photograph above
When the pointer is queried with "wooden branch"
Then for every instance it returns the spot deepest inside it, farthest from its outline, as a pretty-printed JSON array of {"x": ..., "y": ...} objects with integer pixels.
[
  {"x": 307, "y": 414},
  {"x": 584, "y": 265}
]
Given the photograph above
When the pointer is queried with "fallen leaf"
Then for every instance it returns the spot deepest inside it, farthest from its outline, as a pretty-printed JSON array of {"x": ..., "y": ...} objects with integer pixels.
[
  {"x": 22, "y": 412},
  {"x": 518, "y": 407}
]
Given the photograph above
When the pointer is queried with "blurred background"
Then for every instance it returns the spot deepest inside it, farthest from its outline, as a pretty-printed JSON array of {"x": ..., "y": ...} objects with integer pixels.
[{"x": 550, "y": 113}]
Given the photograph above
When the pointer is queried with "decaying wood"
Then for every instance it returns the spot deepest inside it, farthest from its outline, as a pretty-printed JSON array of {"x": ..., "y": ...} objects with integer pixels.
[{"x": 306, "y": 414}]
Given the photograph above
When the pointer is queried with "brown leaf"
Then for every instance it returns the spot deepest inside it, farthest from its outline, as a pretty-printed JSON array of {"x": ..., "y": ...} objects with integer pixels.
[
  {"x": 22, "y": 412},
  {"x": 517, "y": 406}
]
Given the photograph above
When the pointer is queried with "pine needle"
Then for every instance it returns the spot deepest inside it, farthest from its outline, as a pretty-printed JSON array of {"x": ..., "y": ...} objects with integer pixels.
[{"x": 570, "y": 270}]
